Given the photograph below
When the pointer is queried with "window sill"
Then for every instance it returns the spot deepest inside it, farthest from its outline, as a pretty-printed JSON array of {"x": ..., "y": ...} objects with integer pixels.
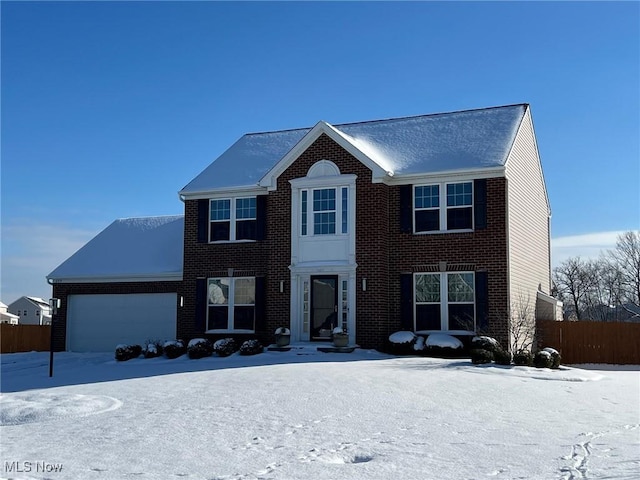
[
  {"x": 230, "y": 331},
  {"x": 220, "y": 242},
  {"x": 440, "y": 232}
]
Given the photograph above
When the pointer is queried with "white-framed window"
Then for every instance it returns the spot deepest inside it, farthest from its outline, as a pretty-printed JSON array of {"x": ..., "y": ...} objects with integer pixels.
[
  {"x": 444, "y": 301},
  {"x": 443, "y": 207},
  {"x": 324, "y": 211},
  {"x": 232, "y": 219},
  {"x": 231, "y": 304}
]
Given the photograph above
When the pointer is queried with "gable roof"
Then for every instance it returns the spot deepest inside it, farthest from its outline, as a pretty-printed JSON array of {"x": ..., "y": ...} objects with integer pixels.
[
  {"x": 445, "y": 142},
  {"x": 143, "y": 248}
]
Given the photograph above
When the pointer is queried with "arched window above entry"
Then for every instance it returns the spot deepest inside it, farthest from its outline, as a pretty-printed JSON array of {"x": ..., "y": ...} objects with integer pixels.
[{"x": 323, "y": 168}]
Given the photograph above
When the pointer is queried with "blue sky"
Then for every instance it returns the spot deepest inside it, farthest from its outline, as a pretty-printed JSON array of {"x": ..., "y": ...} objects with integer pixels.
[{"x": 110, "y": 108}]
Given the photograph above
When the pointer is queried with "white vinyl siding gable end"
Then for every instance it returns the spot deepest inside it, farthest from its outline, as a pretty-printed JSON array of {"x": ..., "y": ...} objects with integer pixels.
[{"x": 528, "y": 220}]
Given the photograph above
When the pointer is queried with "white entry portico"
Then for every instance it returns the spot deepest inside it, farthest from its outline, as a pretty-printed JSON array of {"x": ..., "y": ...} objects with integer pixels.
[{"x": 323, "y": 266}]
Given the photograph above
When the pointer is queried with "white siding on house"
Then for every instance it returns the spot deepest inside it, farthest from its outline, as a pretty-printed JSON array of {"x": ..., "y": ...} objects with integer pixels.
[{"x": 528, "y": 221}]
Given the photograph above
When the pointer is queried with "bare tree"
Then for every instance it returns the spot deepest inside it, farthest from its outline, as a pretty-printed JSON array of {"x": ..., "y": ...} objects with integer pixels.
[
  {"x": 574, "y": 279},
  {"x": 522, "y": 324},
  {"x": 626, "y": 256}
]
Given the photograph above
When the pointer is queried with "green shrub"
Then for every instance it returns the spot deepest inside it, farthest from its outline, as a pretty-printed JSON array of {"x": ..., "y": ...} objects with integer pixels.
[
  {"x": 199, "y": 348},
  {"x": 251, "y": 347},
  {"x": 224, "y": 347},
  {"x": 555, "y": 356},
  {"x": 522, "y": 358},
  {"x": 152, "y": 350},
  {"x": 480, "y": 356},
  {"x": 174, "y": 348},
  {"x": 127, "y": 352},
  {"x": 485, "y": 343},
  {"x": 542, "y": 359},
  {"x": 502, "y": 357}
]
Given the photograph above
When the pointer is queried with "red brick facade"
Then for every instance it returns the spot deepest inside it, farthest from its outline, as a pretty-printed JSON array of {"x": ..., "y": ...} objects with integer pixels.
[{"x": 383, "y": 252}]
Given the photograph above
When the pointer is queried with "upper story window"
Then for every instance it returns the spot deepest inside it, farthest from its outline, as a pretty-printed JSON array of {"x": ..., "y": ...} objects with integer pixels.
[
  {"x": 457, "y": 213},
  {"x": 327, "y": 211},
  {"x": 232, "y": 219}
]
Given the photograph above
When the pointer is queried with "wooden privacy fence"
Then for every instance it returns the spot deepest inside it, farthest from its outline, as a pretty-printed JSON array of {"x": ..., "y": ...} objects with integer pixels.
[
  {"x": 592, "y": 342},
  {"x": 24, "y": 338}
]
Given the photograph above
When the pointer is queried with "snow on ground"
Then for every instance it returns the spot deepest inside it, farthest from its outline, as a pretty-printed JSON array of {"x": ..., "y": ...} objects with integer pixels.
[{"x": 309, "y": 415}]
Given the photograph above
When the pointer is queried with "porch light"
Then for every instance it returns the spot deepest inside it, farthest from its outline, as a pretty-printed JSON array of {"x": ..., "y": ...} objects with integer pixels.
[
  {"x": 364, "y": 284},
  {"x": 281, "y": 286}
]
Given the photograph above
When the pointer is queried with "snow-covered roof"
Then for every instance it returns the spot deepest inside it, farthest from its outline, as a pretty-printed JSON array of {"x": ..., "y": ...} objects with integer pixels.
[
  {"x": 146, "y": 248},
  {"x": 39, "y": 301},
  {"x": 457, "y": 141}
]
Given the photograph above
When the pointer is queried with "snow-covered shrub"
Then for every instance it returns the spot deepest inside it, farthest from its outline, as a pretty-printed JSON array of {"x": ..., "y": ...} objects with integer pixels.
[
  {"x": 251, "y": 347},
  {"x": 199, "y": 348},
  {"x": 480, "y": 356},
  {"x": 502, "y": 357},
  {"x": 555, "y": 356},
  {"x": 443, "y": 345},
  {"x": 542, "y": 359},
  {"x": 401, "y": 343},
  {"x": 152, "y": 350},
  {"x": 419, "y": 345},
  {"x": 482, "y": 342},
  {"x": 224, "y": 347},
  {"x": 174, "y": 348},
  {"x": 522, "y": 358},
  {"x": 127, "y": 352}
]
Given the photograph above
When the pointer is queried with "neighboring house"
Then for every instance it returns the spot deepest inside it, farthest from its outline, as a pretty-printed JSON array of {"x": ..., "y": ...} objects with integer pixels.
[
  {"x": 433, "y": 223},
  {"x": 6, "y": 317},
  {"x": 31, "y": 311}
]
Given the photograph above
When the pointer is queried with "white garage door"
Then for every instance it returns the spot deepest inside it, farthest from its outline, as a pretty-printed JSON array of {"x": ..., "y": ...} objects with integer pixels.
[{"x": 97, "y": 323}]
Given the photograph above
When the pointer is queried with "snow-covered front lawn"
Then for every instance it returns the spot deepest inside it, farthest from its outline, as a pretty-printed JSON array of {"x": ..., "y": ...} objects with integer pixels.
[{"x": 309, "y": 415}]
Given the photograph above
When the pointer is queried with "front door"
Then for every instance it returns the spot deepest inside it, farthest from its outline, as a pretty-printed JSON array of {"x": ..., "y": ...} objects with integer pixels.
[{"x": 324, "y": 306}]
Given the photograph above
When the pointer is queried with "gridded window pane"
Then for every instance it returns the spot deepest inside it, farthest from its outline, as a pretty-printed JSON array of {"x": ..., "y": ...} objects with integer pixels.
[
  {"x": 243, "y": 318},
  {"x": 218, "y": 291},
  {"x": 220, "y": 210},
  {"x": 218, "y": 318},
  {"x": 246, "y": 208},
  {"x": 427, "y": 288},
  {"x": 324, "y": 223},
  {"x": 460, "y": 287},
  {"x": 459, "y": 218},
  {"x": 427, "y": 220},
  {"x": 428, "y": 317},
  {"x": 427, "y": 196},
  {"x": 461, "y": 317},
  {"x": 459, "y": 194},
  {"x": 245, "y": 291},
  {"x": 324, "y": 200}
]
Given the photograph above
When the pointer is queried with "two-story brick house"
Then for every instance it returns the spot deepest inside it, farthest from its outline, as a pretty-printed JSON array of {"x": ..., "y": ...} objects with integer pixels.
[{"x": 434, "y": 223}]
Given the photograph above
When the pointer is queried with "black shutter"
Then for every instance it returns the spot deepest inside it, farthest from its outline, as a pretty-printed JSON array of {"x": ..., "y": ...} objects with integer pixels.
[
  {"x": 203, "y": 220},
  {"x": 406, "y": 208},
  {"x": 480, "y": 203},
  {"x": 482, "y": 302},
  {"x": 201, "y": 304},
  {"x": 260, "y": 312},
  {"x": 406, "y": 301},
  {"x": 261, "y": 217}
]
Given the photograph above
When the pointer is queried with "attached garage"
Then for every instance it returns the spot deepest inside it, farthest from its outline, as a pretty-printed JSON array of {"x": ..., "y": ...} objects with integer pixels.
[
  {"x": 97, "y": 323},
  {"x": 123, "y": 287}
]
